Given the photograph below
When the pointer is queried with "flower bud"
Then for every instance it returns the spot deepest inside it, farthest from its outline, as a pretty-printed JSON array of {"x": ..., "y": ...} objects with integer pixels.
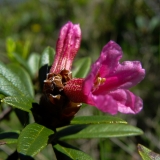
[{"x": 67, "y": 46}]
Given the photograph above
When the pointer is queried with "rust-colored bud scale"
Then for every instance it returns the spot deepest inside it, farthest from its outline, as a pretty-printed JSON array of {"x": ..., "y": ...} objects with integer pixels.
[{"x": 58, "y": 108}]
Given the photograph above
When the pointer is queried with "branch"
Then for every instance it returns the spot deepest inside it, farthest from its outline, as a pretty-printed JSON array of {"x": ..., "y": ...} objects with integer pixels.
[{"x": 5, "y": 113}]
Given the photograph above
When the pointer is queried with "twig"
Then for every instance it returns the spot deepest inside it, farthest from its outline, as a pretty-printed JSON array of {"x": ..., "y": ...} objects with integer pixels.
[{"x": 5, "y": 113}]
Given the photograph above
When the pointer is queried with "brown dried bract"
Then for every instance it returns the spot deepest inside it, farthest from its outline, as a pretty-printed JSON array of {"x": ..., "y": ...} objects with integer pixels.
[{"x": 56, "y": 108}]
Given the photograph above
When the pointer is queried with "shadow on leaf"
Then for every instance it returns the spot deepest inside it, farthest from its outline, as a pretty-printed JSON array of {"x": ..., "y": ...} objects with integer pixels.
[
  {"x": 71, "y": 130},
  {"x": 42, "y": 74},
  {"x": 25, "y": 157},
  {"x": 7, "y": 135}
]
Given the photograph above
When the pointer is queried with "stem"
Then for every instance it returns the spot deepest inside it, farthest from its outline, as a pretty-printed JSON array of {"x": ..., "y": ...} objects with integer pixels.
[{"x": 5, "y": 113}]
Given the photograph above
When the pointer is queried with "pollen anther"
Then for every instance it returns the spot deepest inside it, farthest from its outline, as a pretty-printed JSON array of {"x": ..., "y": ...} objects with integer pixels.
[{"x": 99, "y": 81}]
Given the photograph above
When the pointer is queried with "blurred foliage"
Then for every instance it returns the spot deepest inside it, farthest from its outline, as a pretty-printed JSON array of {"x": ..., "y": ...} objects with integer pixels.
[
  {"x": 147, "y": 154},
  {"x": 29, "y": 26}
]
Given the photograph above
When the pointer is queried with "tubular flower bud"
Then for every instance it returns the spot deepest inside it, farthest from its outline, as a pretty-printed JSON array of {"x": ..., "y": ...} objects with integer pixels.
[{"x": 67, "y": 46}]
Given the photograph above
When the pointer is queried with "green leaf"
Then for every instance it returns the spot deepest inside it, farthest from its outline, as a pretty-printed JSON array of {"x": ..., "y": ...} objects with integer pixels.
[
  {"x": 147, "y": 154},
  {"x": 21, "y": 102},
  {"x": 33, "y": 139},
  {"x": 23, "y": 116},
  {"x": 1, "y": 96},
  {"x": 46, "y": 61},
  {"x": 98, "y": 131},
  {"x": 33, "y": 63},
  {"x": 11, "y": 84},
  {"x": 68, "y": 152},
  {"x": 24, "y": 77},
  {"x": 97, "y": 120},
  {"x": 26, "y": 48},
  {"x": 47, "y": 57},
  {"x": 10, "y": 46},
  {"x": 154, "y": 22},
  {"x": 22, "y": 62},
  {"x": 82, "y": 67},
  {"x": 9, "y": 137}
]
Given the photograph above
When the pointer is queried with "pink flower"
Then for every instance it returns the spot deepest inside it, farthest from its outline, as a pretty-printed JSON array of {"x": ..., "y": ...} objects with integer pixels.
[
  {"x": 106, "y": 86},
  {"x": 67, "y": 46}
]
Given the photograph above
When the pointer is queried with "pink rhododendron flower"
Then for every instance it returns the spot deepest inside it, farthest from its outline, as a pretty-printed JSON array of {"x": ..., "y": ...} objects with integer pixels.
[{"x": 106, "y": 86}]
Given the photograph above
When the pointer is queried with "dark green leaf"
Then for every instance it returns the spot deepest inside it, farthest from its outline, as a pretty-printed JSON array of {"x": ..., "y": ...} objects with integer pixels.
[
  {"x": 33, "y": 139},
  {"x": 22, "y": 62},
  {"x": 96, "y": 120},
  {"x": 99, "y": 131},
  {"x": 9, "y": 137},
  {"x": 24, "y": 77},
  {"x": 47, "y": 57},
  {"x": 46, "y": 61},
  {"x": 11, "y": 84},
  {"x": 23, "y": 116},
  {"x": 67, "y": 152},
  {"x": 147, "y": 154},
  {"x": 1, "y": 96},
  {"x": 33, "y": 63},
  {"x": 82, "y": 67},
  {"x": 21, "y": 102}
]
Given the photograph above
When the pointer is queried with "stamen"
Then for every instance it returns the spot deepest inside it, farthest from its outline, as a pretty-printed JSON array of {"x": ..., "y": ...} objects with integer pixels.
[{"x": 99, "y": 81}]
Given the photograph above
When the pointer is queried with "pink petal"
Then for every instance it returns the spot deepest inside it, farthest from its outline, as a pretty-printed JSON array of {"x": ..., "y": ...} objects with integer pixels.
[
  {"x": 129, "y": 74},
  {"x": 74, "y": 46},
  {"x": 106, "y": 63},
  {"x": 88, "y": 83},
  {"x": 127, "y": 102},
  {"x": 67, "y": 46},
  {"x": 105, "y": 103},
  {"x": 109, "y": 58},
  {"x": 126, "y": 75}
]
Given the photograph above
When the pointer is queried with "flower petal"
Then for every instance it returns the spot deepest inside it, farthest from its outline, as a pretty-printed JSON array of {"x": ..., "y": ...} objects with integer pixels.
[
  {"x": 106, "y": 64},
  {"x": 109, "y": 58},
  {"x": 105, "y": 103},
  {"x": 120, "y": 100},
  {"x": 127, "y": 102},
  {"x": 127, "y": 75}
]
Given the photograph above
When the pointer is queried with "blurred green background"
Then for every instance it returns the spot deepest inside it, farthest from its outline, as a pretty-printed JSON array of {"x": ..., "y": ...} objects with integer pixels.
[{"x": 133, "y": 24}]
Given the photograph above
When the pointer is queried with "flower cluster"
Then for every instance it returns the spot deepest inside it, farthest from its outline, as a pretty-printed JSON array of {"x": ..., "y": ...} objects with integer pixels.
[{"x": 105, "y": 87}]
